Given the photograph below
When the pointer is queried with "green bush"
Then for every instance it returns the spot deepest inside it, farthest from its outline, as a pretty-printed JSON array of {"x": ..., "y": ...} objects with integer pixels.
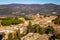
[
  {"x": 6, "y": 22},
  {"x": 10, "y": 21},
  {"x": 16, "y": 21}
]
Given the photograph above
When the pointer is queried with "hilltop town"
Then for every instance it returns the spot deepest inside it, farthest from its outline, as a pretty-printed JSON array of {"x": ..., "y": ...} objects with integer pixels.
[{"x": 30, "y": 27}]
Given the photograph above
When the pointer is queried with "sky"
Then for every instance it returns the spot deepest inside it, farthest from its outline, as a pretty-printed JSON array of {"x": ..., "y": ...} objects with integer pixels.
[{"x": 29, "y": 1}]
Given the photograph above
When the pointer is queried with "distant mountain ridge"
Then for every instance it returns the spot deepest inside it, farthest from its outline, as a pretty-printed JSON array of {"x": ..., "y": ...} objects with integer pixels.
[{"x": 18, "y": 9}]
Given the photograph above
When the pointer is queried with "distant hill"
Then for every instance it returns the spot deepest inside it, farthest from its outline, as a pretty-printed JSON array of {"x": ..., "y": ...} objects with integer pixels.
[{"x": 21, "y": 9}]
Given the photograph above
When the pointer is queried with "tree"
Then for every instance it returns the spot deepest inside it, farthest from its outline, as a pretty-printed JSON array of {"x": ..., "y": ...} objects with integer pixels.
[
  {"x": 50, "y": 30},
  {"x": 57, "y": 36},
  {"x": 52, "y": 37},
  {"x": 18, "y": 34},
  {"x": 57, "y": 21},
  {"x": 10, "y": 36},
  {"x": 36, "y": 27},
  {"x": 29, "y": 27},
  {"x": 15, "y": 36}
]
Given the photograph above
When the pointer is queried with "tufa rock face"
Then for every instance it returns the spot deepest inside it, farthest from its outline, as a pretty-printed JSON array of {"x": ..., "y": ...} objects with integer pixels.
[{"x": 35, "y": 36}]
